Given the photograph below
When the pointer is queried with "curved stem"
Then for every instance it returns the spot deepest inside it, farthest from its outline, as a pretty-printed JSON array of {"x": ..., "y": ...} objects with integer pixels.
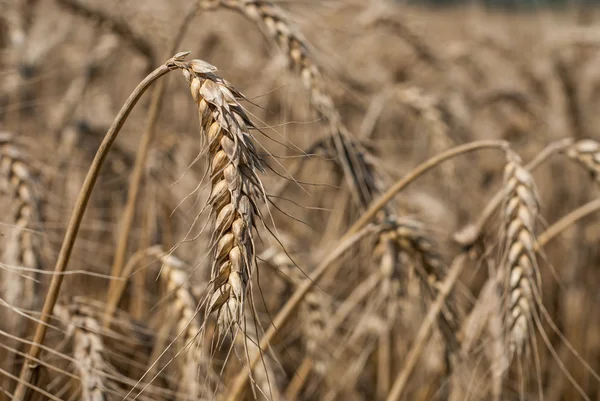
[
  {"x": 28, "y": 369},
  {"x": 138, "y": 171},
  {"x": 378, "y": 204},
  {"x": 566, "y": 221}
]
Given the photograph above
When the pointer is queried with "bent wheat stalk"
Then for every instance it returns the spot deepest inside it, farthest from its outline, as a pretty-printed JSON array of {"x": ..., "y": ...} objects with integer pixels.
[{"x": 28, "y": 370}]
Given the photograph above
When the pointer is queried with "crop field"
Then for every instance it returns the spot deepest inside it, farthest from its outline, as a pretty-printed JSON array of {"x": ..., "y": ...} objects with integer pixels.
[{"x": 241, "y": 200}]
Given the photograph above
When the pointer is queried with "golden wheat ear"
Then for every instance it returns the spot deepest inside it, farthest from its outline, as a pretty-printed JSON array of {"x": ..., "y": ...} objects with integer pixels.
[
  {"x": 236, "y": 189},
  {"x": 521, "y": 210}
]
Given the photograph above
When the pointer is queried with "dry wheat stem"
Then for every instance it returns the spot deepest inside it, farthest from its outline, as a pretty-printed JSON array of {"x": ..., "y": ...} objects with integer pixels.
[{"x": 27, "y": 371}]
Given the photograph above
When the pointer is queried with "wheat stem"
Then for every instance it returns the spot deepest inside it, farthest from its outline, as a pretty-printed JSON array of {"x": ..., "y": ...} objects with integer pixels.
[
  {"x": 135, "y": 182},
  {"x": 28, "y": 370}
]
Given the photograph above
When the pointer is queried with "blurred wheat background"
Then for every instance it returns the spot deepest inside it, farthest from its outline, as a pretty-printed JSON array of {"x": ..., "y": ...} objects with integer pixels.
[{"x": 338, "y": 200}]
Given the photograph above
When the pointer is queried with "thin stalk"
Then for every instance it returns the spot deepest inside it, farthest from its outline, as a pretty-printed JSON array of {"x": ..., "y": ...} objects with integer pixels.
[
  {"x": 494, "y": 203},
  {"x": 138, "y": 170},
  {"x": 29, "y": 369}
]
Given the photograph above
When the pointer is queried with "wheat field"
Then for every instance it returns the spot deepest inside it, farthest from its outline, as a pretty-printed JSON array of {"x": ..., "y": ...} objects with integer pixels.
[{"x": 298, "y": 200}]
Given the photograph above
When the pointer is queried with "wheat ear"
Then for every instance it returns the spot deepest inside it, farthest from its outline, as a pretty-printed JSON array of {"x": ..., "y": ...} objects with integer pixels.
[
  {"x": 520, "y": 213},
  {"x": 88, "y": 351},
  {"x": 22, "y": 247},
  {"x": 236, "y": 188}
]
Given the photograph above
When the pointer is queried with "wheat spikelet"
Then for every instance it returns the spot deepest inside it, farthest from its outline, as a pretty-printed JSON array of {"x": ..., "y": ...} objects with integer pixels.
[
  {"x": 88, "y": 351},
  {"x": 587, "y": 153},
  {"x": 236, "y": 188},
  {"x": 520, "y": 213}
]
